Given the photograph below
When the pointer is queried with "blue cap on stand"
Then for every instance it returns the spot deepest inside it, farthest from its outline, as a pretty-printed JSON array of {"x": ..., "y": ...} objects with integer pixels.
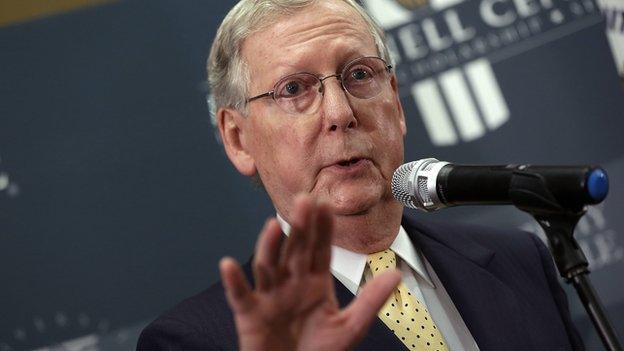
[{"x": 598, "y": 185}]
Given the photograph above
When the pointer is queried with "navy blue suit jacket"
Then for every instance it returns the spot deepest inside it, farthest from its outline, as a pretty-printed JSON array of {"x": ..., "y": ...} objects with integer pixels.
[{"x": 503, "y": 284}]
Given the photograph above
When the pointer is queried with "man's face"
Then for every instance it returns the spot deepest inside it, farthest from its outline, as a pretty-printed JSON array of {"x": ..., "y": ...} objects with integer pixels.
[{"x": 346, "y": 152}]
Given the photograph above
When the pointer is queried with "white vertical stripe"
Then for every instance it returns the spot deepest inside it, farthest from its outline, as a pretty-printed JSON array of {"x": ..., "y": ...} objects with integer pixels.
[
  {"x": 462, "y": 106},
  {"x": 434, "y": 114},
  {"x": 616, "y": 40},
  {"x": 488, "y": 93}
]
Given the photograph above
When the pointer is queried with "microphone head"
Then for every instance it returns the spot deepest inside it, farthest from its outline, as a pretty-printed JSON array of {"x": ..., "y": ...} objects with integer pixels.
[
  {"x": 414, "y": 184},
  {"x": 401, "y": 187}
]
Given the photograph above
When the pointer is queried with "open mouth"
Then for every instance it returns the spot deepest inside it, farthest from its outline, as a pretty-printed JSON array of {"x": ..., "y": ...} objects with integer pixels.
[{"x": 349, "y": 162}]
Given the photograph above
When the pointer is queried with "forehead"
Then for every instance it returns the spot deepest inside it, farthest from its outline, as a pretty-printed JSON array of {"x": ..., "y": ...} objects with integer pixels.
[{"x": 316, "y": 38}]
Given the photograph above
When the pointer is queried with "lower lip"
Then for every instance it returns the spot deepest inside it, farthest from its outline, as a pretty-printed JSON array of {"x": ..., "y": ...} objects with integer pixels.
[{"x": 355, "y": 167}]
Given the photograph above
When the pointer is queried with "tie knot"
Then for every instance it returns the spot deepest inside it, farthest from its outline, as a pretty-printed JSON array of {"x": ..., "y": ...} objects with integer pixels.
[{"x": 381, "y": 261}]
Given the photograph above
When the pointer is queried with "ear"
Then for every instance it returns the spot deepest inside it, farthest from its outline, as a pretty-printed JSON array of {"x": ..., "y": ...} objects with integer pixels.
[
  {"x": 397, "y": 97},
  {"x": 234, "y": 130}
]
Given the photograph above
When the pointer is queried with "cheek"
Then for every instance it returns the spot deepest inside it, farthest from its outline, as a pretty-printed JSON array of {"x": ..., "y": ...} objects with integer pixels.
[
  {"x": 282, "y": 151},
  {"x": 388, "y": 124},
  {"x": 388, "y": 119}
]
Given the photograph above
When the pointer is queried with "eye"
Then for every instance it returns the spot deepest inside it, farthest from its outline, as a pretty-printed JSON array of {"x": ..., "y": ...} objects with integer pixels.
[
  {"x": 363, "y": 76},
  {"x": 360, "y": 74},
  {"x": 295, "y": 86},
  {"x": 291, "y": 88}
]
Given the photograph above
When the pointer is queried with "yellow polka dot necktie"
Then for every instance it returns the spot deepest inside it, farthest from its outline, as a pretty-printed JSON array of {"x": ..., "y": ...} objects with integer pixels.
[{"x": 407, "y": 317}]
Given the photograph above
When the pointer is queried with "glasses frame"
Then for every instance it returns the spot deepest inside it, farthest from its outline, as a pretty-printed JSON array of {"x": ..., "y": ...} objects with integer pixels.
[{"x": 321, "y": 79}]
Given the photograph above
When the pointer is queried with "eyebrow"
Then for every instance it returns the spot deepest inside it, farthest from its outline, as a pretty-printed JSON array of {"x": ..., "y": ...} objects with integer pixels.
[{"x": 348, "y": 56}]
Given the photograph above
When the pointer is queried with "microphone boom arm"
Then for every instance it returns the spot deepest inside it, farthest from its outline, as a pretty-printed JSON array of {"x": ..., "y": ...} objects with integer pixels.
[{"x": 529, "y": 192}]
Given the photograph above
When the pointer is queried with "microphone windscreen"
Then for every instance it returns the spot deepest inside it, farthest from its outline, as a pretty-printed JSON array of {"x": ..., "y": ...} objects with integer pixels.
[{"x": 400, "y": 185}]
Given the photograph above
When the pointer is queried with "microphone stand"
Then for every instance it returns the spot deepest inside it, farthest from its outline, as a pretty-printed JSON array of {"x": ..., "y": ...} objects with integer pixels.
[{"x": 529, "y": 192}]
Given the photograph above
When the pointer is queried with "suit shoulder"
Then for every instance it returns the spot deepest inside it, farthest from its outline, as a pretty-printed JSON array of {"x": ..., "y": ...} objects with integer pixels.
[
  {"x": 203, "y": 321},
  {"x": 495, "y": 238},
  {"x": 201, "y": 310}
]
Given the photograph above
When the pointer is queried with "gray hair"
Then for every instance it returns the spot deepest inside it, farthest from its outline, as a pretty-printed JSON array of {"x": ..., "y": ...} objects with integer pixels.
[{"x": 228, "y": 75}]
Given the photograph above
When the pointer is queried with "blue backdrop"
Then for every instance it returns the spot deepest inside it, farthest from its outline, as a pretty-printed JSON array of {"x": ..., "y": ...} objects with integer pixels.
[{"x": 115, "y": 197}]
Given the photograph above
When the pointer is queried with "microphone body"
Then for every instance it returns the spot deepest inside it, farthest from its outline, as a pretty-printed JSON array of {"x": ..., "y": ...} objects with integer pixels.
[{"x": 429, "y": 185}]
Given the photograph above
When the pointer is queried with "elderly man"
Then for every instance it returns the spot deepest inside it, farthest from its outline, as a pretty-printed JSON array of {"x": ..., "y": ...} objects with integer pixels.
[{"x": 307, "y": 101}]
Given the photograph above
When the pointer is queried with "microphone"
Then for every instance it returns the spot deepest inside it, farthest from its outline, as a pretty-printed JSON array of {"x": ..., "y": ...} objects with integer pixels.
[{"x": 430, "y": 185}]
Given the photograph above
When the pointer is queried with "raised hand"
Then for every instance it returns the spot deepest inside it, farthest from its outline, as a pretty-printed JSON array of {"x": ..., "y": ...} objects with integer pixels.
[{"x": 293, "y": 305}]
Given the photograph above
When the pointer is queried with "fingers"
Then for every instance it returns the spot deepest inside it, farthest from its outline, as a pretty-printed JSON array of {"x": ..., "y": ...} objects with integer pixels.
[
  {"x": 296, "y": 256},
  {"x": 307, "y": 249},
  {"x": 237, "y": 289},
  {"x": 300, "y": 223},
  {"x": 308, "y": 246},
  {"x": 363, "y": 310},
  {"x": 267, "y": 255},
  {"x": 322, "y": 240}
]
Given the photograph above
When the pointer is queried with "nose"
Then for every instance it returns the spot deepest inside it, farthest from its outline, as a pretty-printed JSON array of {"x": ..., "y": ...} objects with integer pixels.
[{"x": 338, "y": 114}]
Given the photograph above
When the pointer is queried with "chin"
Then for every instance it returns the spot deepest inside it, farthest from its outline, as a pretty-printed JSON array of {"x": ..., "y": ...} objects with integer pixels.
[{"x": 356, "y": 202}]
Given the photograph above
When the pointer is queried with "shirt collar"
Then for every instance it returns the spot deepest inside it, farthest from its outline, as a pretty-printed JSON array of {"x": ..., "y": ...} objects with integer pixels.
[
  {"x": 348, "y": 266},
  {"x": 405, "y": 249}
]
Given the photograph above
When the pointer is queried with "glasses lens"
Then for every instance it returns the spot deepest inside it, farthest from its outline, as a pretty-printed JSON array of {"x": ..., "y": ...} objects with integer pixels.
[
  {"x": 298, "y": 93},
  {"x": 364, "y": 77}
]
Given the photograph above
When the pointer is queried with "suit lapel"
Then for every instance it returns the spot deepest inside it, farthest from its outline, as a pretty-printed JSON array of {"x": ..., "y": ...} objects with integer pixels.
[
  {"x": 379, "y": 337},
  {"x": 489, "y": 308}
]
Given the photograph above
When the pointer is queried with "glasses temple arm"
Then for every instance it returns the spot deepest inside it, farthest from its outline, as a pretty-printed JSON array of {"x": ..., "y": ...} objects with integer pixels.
[{"x": 268, "y": 93}]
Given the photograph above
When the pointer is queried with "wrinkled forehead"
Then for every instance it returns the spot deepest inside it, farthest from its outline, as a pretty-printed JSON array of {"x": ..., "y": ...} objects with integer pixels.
[{"x": 326, "y": 30}]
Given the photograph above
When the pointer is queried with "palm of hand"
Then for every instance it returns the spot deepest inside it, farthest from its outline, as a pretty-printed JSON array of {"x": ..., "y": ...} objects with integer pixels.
[
  {"x": 293, "y": 314},
  {"x": 293, "y": 305}
]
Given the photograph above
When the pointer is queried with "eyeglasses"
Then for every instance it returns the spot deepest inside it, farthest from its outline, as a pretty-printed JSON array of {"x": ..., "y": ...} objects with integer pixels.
[{"x": 302, "y": 93}]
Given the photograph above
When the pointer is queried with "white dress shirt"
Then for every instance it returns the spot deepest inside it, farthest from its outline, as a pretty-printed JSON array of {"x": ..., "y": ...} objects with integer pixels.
[{"x": 418, "y": 275}]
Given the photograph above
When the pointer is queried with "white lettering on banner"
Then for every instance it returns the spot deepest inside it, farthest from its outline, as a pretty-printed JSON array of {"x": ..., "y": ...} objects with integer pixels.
[
  {"x": 494, "y": 19},
  {"x": 60, "y": 320},
  {"x": 435, "y": 40},
  {"x": 444, "y": 53},
  {"x": 601, "y": 244},
  {"x": 613, "y": 11},
  {"x": 458, "y": 31},
  {"x": 8, "y": 186},
  {"x": 526, "y": 8},
  {"x": 85, "y": 343},
  {"x": 603, "y": 250},
  {"x": 413, "y": 42}
]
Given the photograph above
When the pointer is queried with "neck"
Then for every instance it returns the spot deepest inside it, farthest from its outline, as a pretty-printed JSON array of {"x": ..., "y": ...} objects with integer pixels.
[
  {"x": 368, "y": 232},
  {"x": 371, "y": 231}
]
